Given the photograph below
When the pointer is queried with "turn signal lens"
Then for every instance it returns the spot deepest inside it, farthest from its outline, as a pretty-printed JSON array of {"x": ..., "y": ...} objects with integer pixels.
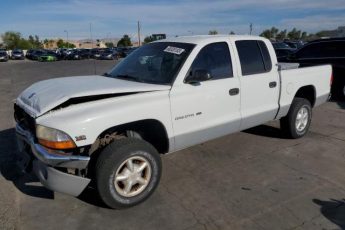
[
  {"x": 53, "y": 138},
  {"x": 57, "y": 145}
]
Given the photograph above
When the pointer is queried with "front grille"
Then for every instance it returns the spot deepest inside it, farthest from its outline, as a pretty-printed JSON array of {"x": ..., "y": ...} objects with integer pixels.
[{"x": 24, "y": 119}]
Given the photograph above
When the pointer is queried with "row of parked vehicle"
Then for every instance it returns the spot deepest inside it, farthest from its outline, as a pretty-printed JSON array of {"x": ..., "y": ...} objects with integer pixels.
[
  {"x": 67, "y": 54},
  {"x": 318, "y": 52}
]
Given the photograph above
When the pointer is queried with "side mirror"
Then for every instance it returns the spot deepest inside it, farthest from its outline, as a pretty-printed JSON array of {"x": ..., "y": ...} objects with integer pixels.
[{"x": 198, "y": 75}]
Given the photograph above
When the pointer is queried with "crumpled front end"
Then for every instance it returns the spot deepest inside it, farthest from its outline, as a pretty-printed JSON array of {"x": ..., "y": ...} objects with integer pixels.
[{"x": 50, "y": 166}]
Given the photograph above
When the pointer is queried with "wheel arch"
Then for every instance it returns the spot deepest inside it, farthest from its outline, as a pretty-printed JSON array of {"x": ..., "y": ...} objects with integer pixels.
[
  {"x": 307, "y": 92},
  {"x": 150, "y": 130}
]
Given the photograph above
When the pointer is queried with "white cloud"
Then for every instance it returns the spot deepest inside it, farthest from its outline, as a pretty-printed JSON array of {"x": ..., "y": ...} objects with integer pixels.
[
  {"x": 315, "y": 23},
  {"x": 50, "y": 18}
]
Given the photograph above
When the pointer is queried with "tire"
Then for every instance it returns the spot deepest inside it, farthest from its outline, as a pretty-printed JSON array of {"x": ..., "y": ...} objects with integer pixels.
[
  {"x": 113, "y": 163},
  {"x": 289, "y": 124}
]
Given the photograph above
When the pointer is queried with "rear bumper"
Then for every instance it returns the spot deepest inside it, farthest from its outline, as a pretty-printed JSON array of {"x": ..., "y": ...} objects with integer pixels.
[{"x": 44, "y": 161}]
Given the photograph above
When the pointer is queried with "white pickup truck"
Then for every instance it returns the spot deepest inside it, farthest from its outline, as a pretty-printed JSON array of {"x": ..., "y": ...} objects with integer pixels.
[{"x": 165, "y": 96}]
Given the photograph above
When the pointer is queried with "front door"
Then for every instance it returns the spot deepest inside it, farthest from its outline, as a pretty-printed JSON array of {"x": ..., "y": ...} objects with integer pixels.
[{"x": 209, "y": 109}]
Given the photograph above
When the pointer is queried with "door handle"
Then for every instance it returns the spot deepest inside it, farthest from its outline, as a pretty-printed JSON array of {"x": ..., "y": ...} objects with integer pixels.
[
  {"x": 273, "y": 84},
  {"x": 234, "y": 91}
]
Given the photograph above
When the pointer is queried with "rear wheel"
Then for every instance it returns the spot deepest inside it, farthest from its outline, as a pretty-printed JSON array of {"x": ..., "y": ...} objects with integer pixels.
[
  {"x": 127, "y": 172},
  {"x": 296, "y": 124}
]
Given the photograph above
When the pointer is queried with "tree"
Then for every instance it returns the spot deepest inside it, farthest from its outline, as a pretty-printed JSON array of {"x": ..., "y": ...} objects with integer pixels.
[
  {"x": 11, "y": 39},
  {"x": 212, "y": 32},
  {"x": 304, "y": 36},
  {"x": 148, "y": 39},
  {"x": 124, "y": 41},
  {"x": 270, "y": 33},
  {"x": 61, "y": 44},
  {"x": 109, "y": 44},
  {"x": 24, "y": 44},
  {"x": 294, "y": 34},
  {"x": 281, "y": 35},
  {"x": 274, "y": 31},
  {"x": 266, "y": 34}
]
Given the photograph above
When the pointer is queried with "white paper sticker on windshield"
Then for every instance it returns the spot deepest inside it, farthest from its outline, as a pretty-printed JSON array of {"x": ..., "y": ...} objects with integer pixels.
[{"x": 174, "y": 50}]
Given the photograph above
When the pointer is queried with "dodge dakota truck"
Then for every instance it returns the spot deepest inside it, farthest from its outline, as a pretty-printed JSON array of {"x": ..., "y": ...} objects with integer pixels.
[{"x": 108, "y": 131}]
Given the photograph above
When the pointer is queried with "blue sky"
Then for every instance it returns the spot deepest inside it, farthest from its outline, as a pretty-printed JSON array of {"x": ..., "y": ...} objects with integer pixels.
[{"x": 49, "y": 18}]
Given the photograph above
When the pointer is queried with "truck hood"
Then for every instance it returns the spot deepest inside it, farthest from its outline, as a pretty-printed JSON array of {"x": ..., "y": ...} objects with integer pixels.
[{"x": 44, "y": 96}]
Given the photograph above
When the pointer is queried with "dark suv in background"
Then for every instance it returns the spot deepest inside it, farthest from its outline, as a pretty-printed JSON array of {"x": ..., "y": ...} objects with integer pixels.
[
  {"x": 325, "y": 51},
  {"x": 17, "y": 54},
  {"x": 3, "y": 55}
]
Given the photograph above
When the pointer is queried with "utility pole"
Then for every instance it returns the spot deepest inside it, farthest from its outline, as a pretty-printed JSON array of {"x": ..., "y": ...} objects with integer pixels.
[
  {"x": 139, "y": 42},
  {"x": 91, "y": 37},
  {"x": 250, "y": 28},
  {"x": 67, "y": 38}
]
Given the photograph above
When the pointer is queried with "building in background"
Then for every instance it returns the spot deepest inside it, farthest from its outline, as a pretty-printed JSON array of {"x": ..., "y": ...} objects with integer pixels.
[{"x": 81, "y": 44}]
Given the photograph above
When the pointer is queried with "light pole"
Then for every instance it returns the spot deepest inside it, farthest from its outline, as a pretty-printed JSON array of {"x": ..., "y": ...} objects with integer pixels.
[{"x": 67, "y": 38}]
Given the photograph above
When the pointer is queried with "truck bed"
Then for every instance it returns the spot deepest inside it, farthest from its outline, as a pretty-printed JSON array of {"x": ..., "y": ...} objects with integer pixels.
[{"x": 293, "y": 78}]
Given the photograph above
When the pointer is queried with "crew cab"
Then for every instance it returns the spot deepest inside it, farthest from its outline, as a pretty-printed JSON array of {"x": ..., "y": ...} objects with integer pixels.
[{"x": 165, "y": 96}]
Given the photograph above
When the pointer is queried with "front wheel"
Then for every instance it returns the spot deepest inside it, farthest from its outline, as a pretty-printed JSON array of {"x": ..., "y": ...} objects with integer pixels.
[
  {"x": 296, "y": 124},
  {"x": 127, "y": 172}
]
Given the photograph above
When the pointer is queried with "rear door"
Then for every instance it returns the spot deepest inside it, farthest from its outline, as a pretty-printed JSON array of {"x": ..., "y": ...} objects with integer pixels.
[
  {"x": 209, "y": 109},
  {"x": 259, "y": 82}
]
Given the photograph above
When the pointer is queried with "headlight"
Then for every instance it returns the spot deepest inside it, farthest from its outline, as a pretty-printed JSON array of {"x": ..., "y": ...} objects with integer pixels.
[{"x": 53, "y": 138}]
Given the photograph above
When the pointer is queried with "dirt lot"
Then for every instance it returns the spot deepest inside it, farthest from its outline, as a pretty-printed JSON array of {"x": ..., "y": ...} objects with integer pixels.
[{"x": 250, "y": 180}]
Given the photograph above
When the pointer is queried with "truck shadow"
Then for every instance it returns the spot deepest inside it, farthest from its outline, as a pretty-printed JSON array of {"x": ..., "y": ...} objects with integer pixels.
[
  {"x": 266, "y": 131},
  {"x": 333, "y": 210},
  {"x": 25, "y": 182}
]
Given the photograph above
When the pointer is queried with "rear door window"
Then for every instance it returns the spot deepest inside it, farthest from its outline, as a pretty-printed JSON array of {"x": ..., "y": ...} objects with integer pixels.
[{"x": 254, "y": 57}]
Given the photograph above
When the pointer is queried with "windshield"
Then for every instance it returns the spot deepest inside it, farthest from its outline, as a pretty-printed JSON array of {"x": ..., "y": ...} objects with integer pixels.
[{"x": 156, "y": 63}]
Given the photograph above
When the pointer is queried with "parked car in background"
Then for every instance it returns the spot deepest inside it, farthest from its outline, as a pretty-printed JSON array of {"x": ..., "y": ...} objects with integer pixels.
[
  {"x": 35, "y": 54},
  {"x": 280, "y": 45},
  {"x": 28, "y": 54},
  {"x": 84, "y": 53},
  {"x": 130, "y": 50},
  {"x": 95, "y": 53},
  {"x": 109, "y": 54},
  {"x": 48, "y": 56},
  {"x": 295, "y": 44},
  {"x": 17, "y": 54},
  {"x": 325, "y": 51},
  {"x": 283, "y": 54},
  {"x": 122, "y": 52},
  {"x": 3, "y": 55},
  {"x": 73, "y": 55},
  {"x": 78, "y": 54}
]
